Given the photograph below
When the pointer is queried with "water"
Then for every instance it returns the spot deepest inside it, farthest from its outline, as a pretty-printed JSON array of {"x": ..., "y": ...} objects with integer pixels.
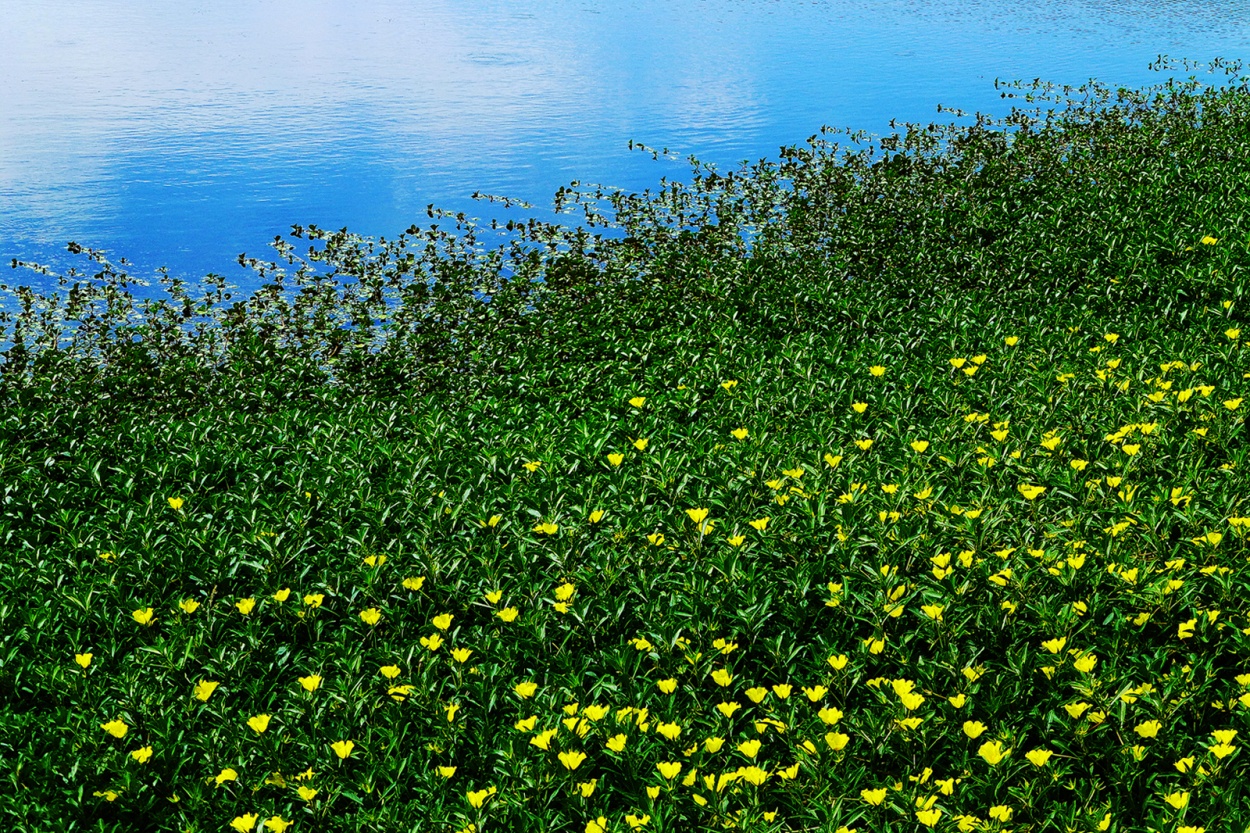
[{"x": 183, "y": 134}]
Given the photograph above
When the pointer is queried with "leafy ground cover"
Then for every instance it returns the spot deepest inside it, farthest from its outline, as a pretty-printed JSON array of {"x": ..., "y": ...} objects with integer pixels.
[{"x": 893, "y": 494}]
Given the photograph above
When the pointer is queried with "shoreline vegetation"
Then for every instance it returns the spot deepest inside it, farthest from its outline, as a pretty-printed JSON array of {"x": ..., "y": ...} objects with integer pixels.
[{"x": 901, "y": 488}]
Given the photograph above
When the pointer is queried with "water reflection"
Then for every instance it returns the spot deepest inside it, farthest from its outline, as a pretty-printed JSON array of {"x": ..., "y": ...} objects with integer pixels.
[{"x": 183, "y": 135}]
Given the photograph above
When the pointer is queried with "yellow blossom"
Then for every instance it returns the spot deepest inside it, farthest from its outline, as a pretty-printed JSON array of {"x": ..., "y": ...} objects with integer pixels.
[
  {"x": 992, "y": 751},
  {"x": 873, "y": 797},
  {"x": 116, "y": 728},
  {"x": 974, "y": 728},
  {"x": 669, "y": 770}
]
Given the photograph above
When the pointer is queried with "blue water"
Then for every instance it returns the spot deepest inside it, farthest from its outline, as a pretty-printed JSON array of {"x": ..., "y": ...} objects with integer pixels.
[{"x": 183, "y": 134}]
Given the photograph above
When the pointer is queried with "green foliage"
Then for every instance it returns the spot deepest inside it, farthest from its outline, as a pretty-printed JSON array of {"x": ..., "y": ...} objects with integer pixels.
[{"x": 985, "y": 385}]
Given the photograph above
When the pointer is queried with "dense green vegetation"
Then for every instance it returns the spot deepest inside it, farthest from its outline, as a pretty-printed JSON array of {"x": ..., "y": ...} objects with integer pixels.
[{"x": 900, "y": 487}]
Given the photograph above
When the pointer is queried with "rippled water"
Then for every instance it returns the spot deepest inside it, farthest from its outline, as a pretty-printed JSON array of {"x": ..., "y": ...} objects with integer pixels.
[{"x": 183, "y": 134}]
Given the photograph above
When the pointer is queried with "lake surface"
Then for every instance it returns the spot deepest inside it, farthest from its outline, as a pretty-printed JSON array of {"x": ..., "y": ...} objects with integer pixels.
[{"x": 182, "y": 134}]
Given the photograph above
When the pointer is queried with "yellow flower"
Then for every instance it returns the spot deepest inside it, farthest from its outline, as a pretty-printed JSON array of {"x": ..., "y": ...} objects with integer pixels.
[
  {"x": 838, "y": 662},
  {"x": 599, "y": 825},
  {"x": 1185, "y": 764},
  {"x": 204, "y": 689},
  {"x": 837, "y": 740},
  {"x": 1186, "y": 629},
  {"x": 877, "y": 370},
  {"x": 636, "y": 822},
  {"x": 873, "y": 797},
  {"x": 478, "y": 797},
  {"x": 726, "y": 709},
  {"x": 1030, "y": 492},
  {"x": 461, "y": 654},
  {"x": 697, "y": 515},
  {"x": 414, "y": 584},
  {"x": 729, "y": 383},
  {"x": 1149, "y": 729},
  {"x": 314, "y": 599},
  {"x": 142, "y": 755},
  {"x": 864, "y": 444},
  {"x": 225, "y": 775},
  {"x": 571, "y": 760},
  {"x": 830, "y": 715},
  {"x": 992, "y": 751},
  {"x": 525, "y": 690},
  {"x": 596, "y": 516},
  {"x": 1000, "y": 813},
  {"x": 175, "y": 503},
  {"x": 307, "y": 793},
  {"x": 451, "y": 712},
  {"x": 958, "y": 700},
  {"x": 343, "y": 748},
  {"x": 616, "y": 459},
  {"x": 442, "y": 621},
  {"x": 749, "y": 748},
  {"x": 144, "y": 616},
  {"x": 739, "y": 433},
  {"x": 617, "y": 743},
  {"x": 1055, "y": 645},
  {"x": 929, "y": 817},
  {"x": 974, "y": 728},
  {"x": 532, "y": 466},
  {"x": 919, "y": 446},
  {"x": 543, "y": 739},
  {"x": 188, "y": 606},
  {"x": 667, "y": 686},
  {"x": 370, "y": 616},
  {"x": 310, "y": 683},
  {"x": 527, "y": 724},
  {"x": 670, "y": 730},
  {"x": 638, "y": 401},
  {"x": 587, "y": 788},
  {"x": 1178, "y": 799},
  {"x": 641, "y": 444},
  {"x": 759, "y": 524},
  {"x": 815, "y": 693},
  {"x": 1075, "y": 710},
  {"x": 508, "y": 614},
  {"x": 722, "y": 677},
  {"x": 932, "y": 611},
  {"x": 245, "y": 823},
  {"x": 1086, "y": 663},
  {"x": 83, "y": 659},
  {"x": 389, "y": 671},
  {"x": 245, "y": 606},
  {"x": 116, "y": 728},
  {"x": 259, "y": 723},
  {"x": 432, "y": 642},
  {"x": 782, "y": 690},
  {"x": 277, "y": 825},
  {"x": 669, "y": 770},
  {"x": 1039, "y": 757},
  {"x": 564, "y": 592}
]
